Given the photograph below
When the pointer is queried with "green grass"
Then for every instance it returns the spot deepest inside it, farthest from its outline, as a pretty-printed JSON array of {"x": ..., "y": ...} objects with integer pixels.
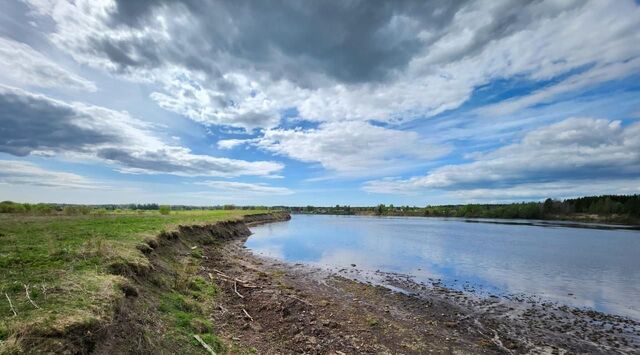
[{"x": 68, "y": 263}]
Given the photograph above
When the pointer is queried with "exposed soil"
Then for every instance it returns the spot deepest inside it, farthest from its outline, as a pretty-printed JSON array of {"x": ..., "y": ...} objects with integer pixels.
[{"x": 280, "y": 308}]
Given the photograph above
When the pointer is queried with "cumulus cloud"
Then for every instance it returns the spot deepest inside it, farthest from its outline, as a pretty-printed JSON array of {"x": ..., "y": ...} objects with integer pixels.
[
  {"x": 36, "y": 124},
  {"x": 26, "y": 66},
  {"x": 348, "y": 148},
  {"x": 13, "y": 172},
  {"x": 225, "y": 63},
  {"x": 358, "y": 72},
  {"x": 232, "y": 143},
  {"x": 594, "y": 76},
  {"x": 240, "y": 103},
  {"x": 556, "y": 189},
  {"x": 246, "y": 188},
  {"x": 576, "y": 149}
]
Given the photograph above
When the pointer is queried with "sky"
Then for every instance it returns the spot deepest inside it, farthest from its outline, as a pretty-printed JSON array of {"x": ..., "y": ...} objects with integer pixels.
[{"x": 318, "y": 102}]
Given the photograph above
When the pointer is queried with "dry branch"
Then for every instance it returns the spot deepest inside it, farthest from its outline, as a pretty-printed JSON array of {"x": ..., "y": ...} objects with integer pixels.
[
  {"x": 247, "y": 314},
  {"x": 242, "y": 283},
  {"x": 235, "y": 289},
  {"x": 26, "y": 290},
  {"x": 205, "y": 345},
  {"x": 11, "y": 305},
  {"x": 220, "y": 272},
  {"x": 300, "y": 299},
  {"x": 245, "y": 285}
]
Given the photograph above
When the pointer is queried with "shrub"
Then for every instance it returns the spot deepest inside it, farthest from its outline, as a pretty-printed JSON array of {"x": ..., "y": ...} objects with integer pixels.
[
  {"x": 70, "y": 210},
  {"x": 11, "y": 207},
  {"x": 165, "y": 209},
  {"x": 99, "y": 211},
  {"x": 42, "y": 208}
]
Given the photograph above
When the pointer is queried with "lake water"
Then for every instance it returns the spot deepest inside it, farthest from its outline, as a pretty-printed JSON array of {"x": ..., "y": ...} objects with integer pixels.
[{"x": 583, "y": 267}]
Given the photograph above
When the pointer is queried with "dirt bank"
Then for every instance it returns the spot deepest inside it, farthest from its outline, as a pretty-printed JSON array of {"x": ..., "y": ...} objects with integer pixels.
[
  {"x": 144, "y": 295},
  {"x": 166, "y": 303},
  {"x": 279, "y": 308}
]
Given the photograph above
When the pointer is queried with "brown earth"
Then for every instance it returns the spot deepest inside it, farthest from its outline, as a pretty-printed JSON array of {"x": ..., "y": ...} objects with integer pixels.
[{"x": 279, "y": 308}]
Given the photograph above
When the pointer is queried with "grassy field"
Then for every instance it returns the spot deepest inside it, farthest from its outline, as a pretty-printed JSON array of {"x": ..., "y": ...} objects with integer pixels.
[{"x": 57, "y": 272}]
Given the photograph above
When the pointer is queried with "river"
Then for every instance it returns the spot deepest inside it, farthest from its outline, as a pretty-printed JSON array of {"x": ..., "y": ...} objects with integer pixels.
[{"x": 584, "y": 267}]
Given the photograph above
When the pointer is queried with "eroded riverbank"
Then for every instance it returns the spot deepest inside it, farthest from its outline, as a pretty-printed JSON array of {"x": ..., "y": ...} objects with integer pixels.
[{"x": 277, "y": 307}]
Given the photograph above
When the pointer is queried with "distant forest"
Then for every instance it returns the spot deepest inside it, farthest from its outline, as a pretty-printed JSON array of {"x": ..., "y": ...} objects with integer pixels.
[
  {"x": 609, "y": 208},
  {"x": 605, "y": 208}
]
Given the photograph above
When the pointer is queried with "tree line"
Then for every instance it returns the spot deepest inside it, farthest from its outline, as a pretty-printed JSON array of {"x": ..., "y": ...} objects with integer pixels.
[
  {"x": 614, "y": 208},
  {"x": 621, "y": 208},
  {"x": 79, "y": 209}
]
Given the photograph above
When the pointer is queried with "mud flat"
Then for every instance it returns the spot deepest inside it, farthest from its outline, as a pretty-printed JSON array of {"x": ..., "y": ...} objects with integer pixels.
[{"x": 282, "y": 308}]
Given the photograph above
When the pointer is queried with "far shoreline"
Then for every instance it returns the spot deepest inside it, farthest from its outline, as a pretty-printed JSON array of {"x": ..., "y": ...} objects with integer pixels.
[{"x": 558, "y": 222}]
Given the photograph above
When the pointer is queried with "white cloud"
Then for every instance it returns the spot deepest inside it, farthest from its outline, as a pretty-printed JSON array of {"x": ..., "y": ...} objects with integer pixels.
[
  {"x": 246, "y": 188},
  {"x": 23, "y": 65},
  {"x": 349, "y": 148},
  {"x": 232, "y": 143},
  {"x": 481, "y": 42},
  {"x": 36, "y": 124},
  {"x": 557, "y": 189},
  {"x": 576, "y": 149},
  {"x": 591, "y": 77},
  {"x": 242, "y": 104},
  {"x": 247, "y": 75},
  {"x": 13, "y": 172}
]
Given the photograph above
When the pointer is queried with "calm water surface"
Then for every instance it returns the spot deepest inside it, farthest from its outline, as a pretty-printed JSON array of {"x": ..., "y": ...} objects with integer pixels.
[{"x": 582, "y": 267}]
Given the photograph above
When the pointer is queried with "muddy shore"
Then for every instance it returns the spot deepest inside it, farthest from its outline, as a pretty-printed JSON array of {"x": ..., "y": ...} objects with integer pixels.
[{"x": 281, "y": 308}]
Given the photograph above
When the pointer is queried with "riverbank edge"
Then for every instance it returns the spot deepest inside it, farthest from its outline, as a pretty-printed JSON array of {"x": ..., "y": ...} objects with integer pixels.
[{"x": 134, "y": 315}]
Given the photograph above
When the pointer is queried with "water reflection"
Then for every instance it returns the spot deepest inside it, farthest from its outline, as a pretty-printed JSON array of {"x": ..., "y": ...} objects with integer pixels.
[{"x": 582, "y": 267}]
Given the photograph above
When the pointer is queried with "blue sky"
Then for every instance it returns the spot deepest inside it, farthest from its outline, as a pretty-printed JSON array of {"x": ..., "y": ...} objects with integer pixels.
[{"x": 324, "y": 103}]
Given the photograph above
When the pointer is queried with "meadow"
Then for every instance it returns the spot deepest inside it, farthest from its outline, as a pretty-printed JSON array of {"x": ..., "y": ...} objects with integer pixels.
[{"x": 64, "y": 272}]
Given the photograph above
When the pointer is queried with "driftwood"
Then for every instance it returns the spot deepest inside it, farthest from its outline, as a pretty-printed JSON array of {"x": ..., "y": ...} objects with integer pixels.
[
  {"x": 204, "y": 345},
  {"x": 228, "y": 278},
  {"x": 247, "y": 314},
  {"x": 300, "y": 299},
  {"x": 246, "y": 285},
  {"x": 235, "y": 289},
  {"x": 239, "y": 282},
  {"x": 11, "y": 305},
  {"x": 26, "y": 290},
  {"x": 220, "y": 273}
]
